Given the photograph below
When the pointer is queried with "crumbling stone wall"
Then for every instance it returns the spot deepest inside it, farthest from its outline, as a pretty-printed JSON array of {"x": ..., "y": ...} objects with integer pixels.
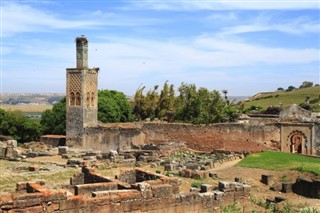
[
  {"x": 54, "y": 140},
  {"x": 232, "y": 137},
  {"x": 158, "y": 195},
  {"x": 106, "y": 138}
]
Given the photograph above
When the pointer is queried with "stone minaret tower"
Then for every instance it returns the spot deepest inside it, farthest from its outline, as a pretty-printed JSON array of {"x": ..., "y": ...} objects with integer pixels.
[{"x": 81, "y": 96}]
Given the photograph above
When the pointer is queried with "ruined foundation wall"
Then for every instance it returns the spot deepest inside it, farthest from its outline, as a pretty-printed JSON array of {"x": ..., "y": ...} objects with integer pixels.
[
  {"x": 159, "y": 194},
  {"x": 232, "y": 137},
  {"x": 105, "y": 139}
]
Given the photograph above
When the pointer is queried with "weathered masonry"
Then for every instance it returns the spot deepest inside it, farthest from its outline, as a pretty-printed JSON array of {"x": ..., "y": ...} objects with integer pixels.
[
  {"x": 81, "y": 95},
  {"x": 134, "y": 190}
]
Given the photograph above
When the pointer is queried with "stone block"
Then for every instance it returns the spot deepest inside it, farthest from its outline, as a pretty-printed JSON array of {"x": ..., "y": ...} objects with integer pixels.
[
  {"x": 194, "y": 189},
  {"x": 213, "y": 175},
  {"x": 74, "y": 162},
  {"x": 12, "y": 143},
  {"x": 267, "y": 179},
  {"x": 91, "y": 158},
  {"x": 87, "y": 189},
  {"x": 210, "y": 164},
  {"x": 192, "y": 166},
  {"x": 63, "y": 150},
  {"x": 3, "y": 152},
  {"x": 218, "y": 195},
  {"x": 205, "y": 168},
  {"x": 32, "y": 154},
  {"x": 169, "y": 167},
  {"x": 223, "y": 185},
  {"x": 279, "y": 199},
  {"x": 12, "y": 152},
  {"x": 276, "y": 187},
  {"x": 199, "y": 174},
  {"x": 113, "y": 153},
  {"x": 206, "y": 188},
  {"x": 286, "y": 187},
  {"x": 186, "y": 173}
]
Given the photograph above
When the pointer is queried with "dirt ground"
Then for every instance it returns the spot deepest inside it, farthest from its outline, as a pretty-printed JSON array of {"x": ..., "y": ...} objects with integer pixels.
[{"x": 53, "y": 171}]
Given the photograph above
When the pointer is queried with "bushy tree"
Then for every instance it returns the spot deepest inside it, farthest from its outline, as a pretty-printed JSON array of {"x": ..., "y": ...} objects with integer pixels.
[
  {"x": 113, "y": 106},
  {"x": 290, "y": 88},
  {"x": 190, "y": 105},
  {"x": 152, "y": 105},
  {"x": 306, "y": 84},
  {"x": 199, "y": 106},
  {"x": 19, "y": 127}
]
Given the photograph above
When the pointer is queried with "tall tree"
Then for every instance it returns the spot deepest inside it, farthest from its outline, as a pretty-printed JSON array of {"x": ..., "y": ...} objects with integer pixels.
[{"x": 166, "y": 100}]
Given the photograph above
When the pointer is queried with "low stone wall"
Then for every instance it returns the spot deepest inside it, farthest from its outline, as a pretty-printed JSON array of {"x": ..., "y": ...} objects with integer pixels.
[
  {"x": 307, "y": 188},
  {"x": 158, "y": 195},
  {"x": 54, "y": 140}
]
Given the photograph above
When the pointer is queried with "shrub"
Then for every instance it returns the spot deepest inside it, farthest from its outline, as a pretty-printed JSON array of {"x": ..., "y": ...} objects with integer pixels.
[{"x": 197, "y": 184}]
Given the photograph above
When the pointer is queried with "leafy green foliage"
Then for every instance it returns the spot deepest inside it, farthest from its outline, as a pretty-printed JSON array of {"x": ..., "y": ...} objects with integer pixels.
[
  {"x": 196, "y": 184},
  {"x": 233, "y": 208},
  {"x": 113, "y": 106},
  {"x": 191, "y": 105},
  {"x": 252, "y": 108},
  {"x": 54, "y": 121},
  {"x": 19, "y": 127}
]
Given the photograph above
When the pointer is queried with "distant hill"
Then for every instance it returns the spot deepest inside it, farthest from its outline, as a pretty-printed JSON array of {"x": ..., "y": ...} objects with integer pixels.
[
  {"x": 283, "y": 98},
  {"x": 30, "y": 98}
]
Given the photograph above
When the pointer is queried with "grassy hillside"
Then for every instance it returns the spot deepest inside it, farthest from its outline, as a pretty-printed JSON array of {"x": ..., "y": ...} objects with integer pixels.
[
  {"x": 286, "y": 98},
  {"x": 281, "y": 161}
]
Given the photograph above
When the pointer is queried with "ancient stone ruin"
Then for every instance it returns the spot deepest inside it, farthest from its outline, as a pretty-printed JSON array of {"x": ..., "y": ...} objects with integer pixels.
[{"x": 133, "y": 190}]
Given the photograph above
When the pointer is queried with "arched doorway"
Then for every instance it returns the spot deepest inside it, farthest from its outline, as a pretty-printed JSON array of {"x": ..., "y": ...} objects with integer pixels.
[{"x": 296, "y": 145}]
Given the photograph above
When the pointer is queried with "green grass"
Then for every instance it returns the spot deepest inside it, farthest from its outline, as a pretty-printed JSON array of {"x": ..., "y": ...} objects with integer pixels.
[
  {"x": 281, "y": 161},
  {"x": 286, "y": 98}
]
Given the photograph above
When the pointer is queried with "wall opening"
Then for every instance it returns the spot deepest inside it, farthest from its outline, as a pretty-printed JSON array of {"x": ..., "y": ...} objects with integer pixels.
[
  {"x": 78, "y": 99},
  {"x": 88, "y": 99},
  {"x": 296, "y": 143},
  {"x": 92, "y": 99},
  {"x": 72, "y": 99}
]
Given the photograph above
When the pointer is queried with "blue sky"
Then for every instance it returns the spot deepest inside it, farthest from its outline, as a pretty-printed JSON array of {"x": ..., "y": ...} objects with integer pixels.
[{"x": 242, "y": 46}]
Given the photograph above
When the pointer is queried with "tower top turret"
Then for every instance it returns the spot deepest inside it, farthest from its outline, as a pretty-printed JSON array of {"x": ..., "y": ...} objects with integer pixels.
[
  {"x": 81, "y": 40},
  {"x": 82, "y": 52}
]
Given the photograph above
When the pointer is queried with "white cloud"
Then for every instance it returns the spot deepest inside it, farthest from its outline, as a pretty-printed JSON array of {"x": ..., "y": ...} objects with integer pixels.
[
  {"x": 226, "y": 5},
  {"x": 20, "y": 18},
  {"x": 297, "y": 26},
  {"x": 23, "y": 18}
]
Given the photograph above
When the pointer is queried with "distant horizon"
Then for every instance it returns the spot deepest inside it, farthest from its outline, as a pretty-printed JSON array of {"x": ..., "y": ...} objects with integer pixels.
[{"x": 245, "y": 47}]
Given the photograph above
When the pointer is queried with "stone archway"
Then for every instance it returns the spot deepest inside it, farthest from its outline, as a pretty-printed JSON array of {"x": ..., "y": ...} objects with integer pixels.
[{"x": 296, "y": 142}]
